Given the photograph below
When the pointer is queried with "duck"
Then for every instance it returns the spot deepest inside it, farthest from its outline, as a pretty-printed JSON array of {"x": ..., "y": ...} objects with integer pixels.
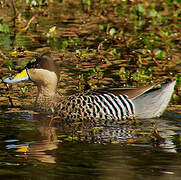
[{"x": 111, "y": 103}]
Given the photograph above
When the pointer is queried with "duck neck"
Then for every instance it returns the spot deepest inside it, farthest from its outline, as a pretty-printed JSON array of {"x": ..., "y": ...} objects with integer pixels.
[{"x": 46, "y": 97}]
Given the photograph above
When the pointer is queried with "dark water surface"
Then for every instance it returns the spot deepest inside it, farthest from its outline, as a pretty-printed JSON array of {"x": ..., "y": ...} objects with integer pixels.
[{"x": 32, "y": 148}]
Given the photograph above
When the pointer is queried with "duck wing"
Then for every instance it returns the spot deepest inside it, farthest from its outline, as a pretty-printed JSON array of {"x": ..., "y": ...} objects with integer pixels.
[{"x": 131, "y": 92}]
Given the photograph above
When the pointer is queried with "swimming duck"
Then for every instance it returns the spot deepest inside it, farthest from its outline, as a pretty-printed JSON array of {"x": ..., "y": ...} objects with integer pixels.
[{"x": 115, "y": 103}]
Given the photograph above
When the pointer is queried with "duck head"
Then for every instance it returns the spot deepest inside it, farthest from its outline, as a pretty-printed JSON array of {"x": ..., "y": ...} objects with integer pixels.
[{"x": 43, "y": 72}]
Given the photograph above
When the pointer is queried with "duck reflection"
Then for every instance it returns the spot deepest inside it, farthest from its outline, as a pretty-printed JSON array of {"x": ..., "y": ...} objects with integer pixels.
[
  {"x": 50, "y": 136},
  {"x": 46, "y": 141}
]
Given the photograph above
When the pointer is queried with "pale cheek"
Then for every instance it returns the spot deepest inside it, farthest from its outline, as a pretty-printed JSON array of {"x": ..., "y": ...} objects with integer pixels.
[
  {"x": 44, "y": 78},
  {"x": 35, "y": 77}
]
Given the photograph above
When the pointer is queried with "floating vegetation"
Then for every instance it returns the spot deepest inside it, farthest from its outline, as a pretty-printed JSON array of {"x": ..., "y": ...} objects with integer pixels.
[{"x": 97, "y": 43}]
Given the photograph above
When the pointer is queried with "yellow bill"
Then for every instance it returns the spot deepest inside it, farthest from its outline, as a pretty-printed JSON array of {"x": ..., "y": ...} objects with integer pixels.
[{"x": 22, "y": 76}]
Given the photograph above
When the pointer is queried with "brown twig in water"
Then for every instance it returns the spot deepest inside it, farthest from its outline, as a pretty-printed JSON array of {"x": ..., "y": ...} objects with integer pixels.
[
  {"x": 9, "y": 98},
  {"x": 15, "y": 13},
  {"x": 154, "y": 59},
  {"x": 14, "y": 21},
  {"x": 99, "y": 46},
  {"x": 29, "y": 22}
]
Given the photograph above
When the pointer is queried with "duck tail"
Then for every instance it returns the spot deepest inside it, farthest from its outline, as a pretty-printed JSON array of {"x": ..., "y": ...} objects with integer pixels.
[{"x": 153, "y": 102}]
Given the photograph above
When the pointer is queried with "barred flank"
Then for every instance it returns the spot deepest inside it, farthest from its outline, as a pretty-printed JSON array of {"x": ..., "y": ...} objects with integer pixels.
[
  {"x": 117, "y": 107},
  {"x": 103, "y": 106}
]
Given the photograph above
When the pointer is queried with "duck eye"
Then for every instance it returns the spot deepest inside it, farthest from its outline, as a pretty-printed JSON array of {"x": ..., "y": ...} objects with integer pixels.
[
  {"x": 33, "y": 60},
  {"x": 34, "y": 63}
]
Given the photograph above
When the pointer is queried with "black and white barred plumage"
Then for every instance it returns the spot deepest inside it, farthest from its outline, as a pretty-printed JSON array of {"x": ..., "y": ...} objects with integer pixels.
[{"x": 97, "y": 105}]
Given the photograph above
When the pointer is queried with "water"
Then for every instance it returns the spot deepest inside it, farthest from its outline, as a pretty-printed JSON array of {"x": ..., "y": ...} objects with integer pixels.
[{"x": 32, "y": 148}]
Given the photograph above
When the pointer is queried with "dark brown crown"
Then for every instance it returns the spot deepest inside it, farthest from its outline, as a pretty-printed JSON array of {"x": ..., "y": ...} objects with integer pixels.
[{"x": 43, "y": 63}]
